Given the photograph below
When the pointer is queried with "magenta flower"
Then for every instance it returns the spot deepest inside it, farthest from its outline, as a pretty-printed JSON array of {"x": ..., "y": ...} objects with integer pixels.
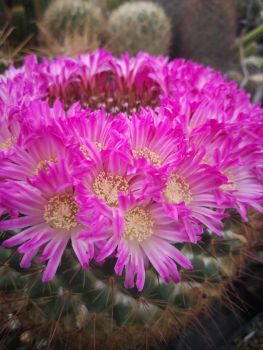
[
  {"x": 106, "y": 176},
  {"x": 190, "y": 192},
  {"x": 48, "y": 222},
  {"x": 146, "y": 234},
  {"x": 39, "y": 149},
  {"x": 124, "y": 158},
  {"x": 155, "y": 139}
]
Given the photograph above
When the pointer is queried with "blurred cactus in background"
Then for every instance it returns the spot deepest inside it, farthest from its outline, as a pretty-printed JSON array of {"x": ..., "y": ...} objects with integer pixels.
[
  {"x": 139, "y": 26},
  {"x": 208, "y": 31},
  {"x": 71, "y": 27}
]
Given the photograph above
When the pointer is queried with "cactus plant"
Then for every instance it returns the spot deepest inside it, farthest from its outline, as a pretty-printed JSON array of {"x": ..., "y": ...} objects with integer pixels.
[
  {"x": 113, "y": 199},
  {"x": 68, "y": 24},
  {"x": 81, "y": 308},
  {"x": 139, "y": 26}
]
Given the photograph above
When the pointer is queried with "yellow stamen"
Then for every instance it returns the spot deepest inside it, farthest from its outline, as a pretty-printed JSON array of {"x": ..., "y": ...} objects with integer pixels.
[
  {"x": 43, "y": 165},
  {"x": 232, "y": 186},
  {"x": 85, "y": 151},
  {"x": 177, "y": 190},
  {"x": 146, "y": 153},
  {"x": 60, "y": 211},
  {"x": 138, "y": 225},
  {"x": 107, "y": 187},
  {"x": 7, "y": 144},
  {"x": 99, "y": 146}
]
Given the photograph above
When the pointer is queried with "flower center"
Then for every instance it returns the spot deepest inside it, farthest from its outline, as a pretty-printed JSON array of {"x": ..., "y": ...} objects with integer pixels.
[
  {"x": 60, "y": 211},
  {"x": 107, "y": 187},
  {"x": 108, "y": 94},
  {"x": 85, "y": 151},
  {"x": 151, "y": 156},
  {"x": 7, "y": 144},
  {"x": 177, "y": 190},
  {"x": 231, "y": 186},
  {"x": 99, "y": 146},
  {"x": 43, "y": 165},
  {"x": 138, "y": 225}
]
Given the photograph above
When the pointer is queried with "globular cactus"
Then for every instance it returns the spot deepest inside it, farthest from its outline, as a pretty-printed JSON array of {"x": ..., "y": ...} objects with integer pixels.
[
  {"x": 93, "y": 191},
  {"x": 92, "y": 309},
  {"x": 71, "y": 27},
  {"x": 139, "y": 26}
]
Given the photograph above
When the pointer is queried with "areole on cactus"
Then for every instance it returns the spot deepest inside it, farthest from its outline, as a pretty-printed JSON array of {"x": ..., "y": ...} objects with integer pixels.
[{"x": 115, "y": 174}]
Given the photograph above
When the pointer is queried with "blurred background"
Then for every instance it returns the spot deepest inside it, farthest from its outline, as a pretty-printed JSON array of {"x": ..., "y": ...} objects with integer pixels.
[{"x": 225, "y": 34}]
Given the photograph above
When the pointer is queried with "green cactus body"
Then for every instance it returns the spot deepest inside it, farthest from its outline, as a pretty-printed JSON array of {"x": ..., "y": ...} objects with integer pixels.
[
  {"x": 92, "y": 309},
  {"x": 139, "y": 26}
]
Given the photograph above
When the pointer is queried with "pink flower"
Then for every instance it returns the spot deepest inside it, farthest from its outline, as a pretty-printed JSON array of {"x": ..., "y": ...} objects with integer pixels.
[
  {"x": 7, "y": 141},
  {"x": 107, "y": 175},
  {"x": 124, "y": 157},
  {"x": 191, "y": 194},
  {"x": 146, "y": 234},
  {"x": 48, "y": 222},
  {"x": 92, "y": 69},
  {"x": 39, "y": 149},
  {"x": 237, "y": 161},
  {"x": 100, "y": 129},
  {"x": 154, "y": 139}
]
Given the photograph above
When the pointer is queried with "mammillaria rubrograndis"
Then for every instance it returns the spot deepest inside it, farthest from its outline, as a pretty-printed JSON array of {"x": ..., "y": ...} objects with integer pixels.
[{"x": 124, "y": 158}]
